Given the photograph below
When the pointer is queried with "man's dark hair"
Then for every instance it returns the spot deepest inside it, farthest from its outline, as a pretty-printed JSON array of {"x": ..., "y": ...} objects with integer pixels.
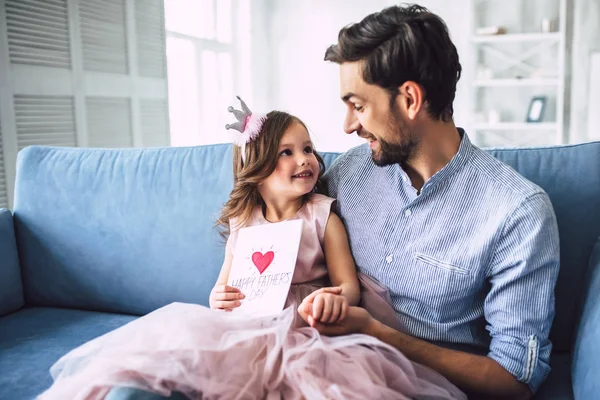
[{"x": 399, "y": 44}]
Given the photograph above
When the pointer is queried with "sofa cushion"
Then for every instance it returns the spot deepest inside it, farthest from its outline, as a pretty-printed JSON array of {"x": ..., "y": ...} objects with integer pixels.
[
  {"x": 11, "y": 287},
  {"x": 586, "y": 352},
  {"x": 125, "y": 231},
  {"x": 571, "y": 177},
  {"x": 32, "y": 339}
]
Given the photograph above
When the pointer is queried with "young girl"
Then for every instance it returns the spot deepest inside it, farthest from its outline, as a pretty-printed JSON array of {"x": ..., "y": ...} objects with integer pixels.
[{"x": 208, "y": 354}]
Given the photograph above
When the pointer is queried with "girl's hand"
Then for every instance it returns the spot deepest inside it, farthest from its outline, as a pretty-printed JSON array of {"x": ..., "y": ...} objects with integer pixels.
[
  {"x": 223, "y": 297},
  {"x": 328, "y": 308}
]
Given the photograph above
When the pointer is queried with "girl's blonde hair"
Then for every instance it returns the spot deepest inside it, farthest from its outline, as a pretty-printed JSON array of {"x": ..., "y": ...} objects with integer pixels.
[{"x": 261, "y": 160}]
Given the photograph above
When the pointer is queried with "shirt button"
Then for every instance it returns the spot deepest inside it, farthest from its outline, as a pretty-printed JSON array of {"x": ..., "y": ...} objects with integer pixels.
[
  {"x": 389, "y": 258},
  {"x": 407, "y": 213}
]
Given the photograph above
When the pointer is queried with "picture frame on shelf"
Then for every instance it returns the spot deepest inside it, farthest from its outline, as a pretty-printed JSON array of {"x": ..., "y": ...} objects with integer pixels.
[{"x": 535, "y": 113}]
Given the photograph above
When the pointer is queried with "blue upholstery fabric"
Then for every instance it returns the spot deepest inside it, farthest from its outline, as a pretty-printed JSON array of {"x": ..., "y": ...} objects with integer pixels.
[
  {"x": 586, "y": 352},
  {"x": 124, "y": 393},
  {"x": 32, "y": 339},
  {"x": 571, "y": 177},
  {"x": 125, "y": 231},
  {"x": 11, "y": 287},
  {"x": 132, "y": 230}
]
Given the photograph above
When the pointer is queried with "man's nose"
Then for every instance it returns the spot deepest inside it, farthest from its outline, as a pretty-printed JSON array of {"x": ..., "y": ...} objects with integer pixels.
[{"x": 351, "y": 123}]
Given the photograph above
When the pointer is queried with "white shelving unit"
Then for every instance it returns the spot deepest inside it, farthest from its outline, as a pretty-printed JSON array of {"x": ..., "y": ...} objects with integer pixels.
[
  {"x": 516, "y": 126},
  {"x": 512, "y": 68},
  {"x": 517, "y": 37},
  {"x": 516, "y": 82}
]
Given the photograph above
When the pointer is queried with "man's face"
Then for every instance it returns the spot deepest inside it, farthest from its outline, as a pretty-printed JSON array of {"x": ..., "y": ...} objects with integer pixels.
[{"x": 370, "y": 114}]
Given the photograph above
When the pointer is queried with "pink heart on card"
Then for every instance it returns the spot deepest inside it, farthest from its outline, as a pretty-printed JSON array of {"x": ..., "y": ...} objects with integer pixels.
[{"x": 262, "y": 261}]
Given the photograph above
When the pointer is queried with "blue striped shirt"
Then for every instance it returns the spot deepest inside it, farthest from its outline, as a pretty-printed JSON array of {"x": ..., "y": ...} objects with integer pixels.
[{"x": 470, "y": 262}]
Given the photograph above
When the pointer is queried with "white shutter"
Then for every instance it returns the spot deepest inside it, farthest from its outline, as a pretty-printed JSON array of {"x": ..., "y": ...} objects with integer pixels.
[
  {"x": 45, "y": 120},
  {"x": 103, "y": 37},
  {"x": 109, "y": 122},
  {"x": 80, "y": 73},
  {"x": 150, "y": 38},
  {"x": 38, "y": 32},
  {"x": 155, "y": 122},
  {"x": 3, "y": 190}
]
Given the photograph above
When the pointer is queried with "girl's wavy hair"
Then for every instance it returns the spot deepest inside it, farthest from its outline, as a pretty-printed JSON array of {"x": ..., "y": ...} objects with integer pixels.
[{"x": 261, "y": 160}]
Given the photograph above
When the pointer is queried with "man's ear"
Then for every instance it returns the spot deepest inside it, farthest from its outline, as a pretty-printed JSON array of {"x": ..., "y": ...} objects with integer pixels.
[{"x": 411, "y": 99}]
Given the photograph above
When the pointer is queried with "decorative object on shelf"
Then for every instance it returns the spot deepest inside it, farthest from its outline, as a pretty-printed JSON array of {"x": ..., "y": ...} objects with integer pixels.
[
  {"x": 536, "y": 109},
  {"x": 493, "y": 116},
  {"x": 491, "y": 30},
  {"x": 485, "y": 73},
  {"x": 549, "y": 25}
]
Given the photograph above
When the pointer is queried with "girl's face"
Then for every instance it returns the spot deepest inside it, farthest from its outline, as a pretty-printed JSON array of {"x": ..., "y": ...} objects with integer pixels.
[{"x": 297, "y": 167}]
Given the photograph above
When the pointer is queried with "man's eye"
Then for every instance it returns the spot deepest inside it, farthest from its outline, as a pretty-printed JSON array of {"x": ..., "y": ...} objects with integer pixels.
[
  {"x": 308, "y": 149},
  {"x": 286, "y": 153}
]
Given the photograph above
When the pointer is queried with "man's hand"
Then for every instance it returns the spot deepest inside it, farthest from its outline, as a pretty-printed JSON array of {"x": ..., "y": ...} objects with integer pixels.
[
  {"x": 226, "y": 298},
  {"x": 351, "y": 319}
]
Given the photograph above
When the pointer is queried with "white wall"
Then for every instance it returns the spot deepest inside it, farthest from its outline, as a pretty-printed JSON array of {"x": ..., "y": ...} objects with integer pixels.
[
  {"x": 305, "y": 85},
  {"x": 593, "y": 121}
]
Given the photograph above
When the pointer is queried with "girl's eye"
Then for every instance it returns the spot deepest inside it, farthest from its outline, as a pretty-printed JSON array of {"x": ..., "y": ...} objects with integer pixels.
[
  {"x": 308, "y": 150},
  {"x": 286, "y": 153},
  {"x": 358, "y": 108}
]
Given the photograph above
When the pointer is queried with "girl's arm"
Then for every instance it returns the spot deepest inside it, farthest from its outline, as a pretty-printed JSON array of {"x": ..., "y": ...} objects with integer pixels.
[
  {"x": 340, "y": 264},
  {"x": 222, "y": 296},
  {"x": 225, "y": 268}
]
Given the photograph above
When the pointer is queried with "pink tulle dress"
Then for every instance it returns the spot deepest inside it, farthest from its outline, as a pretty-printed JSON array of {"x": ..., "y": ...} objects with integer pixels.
[{"x": 208, "y": 354}]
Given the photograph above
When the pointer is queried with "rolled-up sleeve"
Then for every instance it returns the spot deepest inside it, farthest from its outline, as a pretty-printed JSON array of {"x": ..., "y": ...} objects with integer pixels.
[{"x": 519, "y": 308}]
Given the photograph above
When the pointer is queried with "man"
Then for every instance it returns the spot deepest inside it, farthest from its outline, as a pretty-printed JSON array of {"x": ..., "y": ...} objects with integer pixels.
[{"x": 468, "y": 248}]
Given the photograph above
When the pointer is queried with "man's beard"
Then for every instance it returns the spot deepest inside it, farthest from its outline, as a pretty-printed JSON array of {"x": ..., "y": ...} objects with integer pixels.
[{"x": 395, "y": 153}]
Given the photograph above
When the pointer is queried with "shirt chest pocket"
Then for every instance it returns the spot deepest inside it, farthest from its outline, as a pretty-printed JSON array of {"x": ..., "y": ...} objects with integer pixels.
[
  {"x": 429, "y": 261},
  {"x": 439, "y": 281}
]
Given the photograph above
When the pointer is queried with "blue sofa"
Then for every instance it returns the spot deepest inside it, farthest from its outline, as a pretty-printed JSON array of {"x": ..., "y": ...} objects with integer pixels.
[{"x": 99, "y": 237}]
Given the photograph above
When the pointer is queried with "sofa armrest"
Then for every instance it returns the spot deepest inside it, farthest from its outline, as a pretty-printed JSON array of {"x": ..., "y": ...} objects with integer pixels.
[
  {"x": 11, "y": 285},
  {"x": 585, "y": 367}
]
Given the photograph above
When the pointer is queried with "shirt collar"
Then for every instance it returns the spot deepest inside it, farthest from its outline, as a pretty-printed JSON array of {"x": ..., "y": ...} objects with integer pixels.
[{"x": 458, "y": 161}]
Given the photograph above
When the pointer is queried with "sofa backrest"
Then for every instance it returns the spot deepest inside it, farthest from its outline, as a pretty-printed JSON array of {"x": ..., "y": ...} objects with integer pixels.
[
  {"x": 120, "y": 230},
  {"x": 131, "y": 230}
]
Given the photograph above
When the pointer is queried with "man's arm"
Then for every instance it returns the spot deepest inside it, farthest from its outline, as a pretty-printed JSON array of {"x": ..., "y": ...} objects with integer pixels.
[
  {"x": 472, "y": 373},
  {"x": 519, "y": 309}
]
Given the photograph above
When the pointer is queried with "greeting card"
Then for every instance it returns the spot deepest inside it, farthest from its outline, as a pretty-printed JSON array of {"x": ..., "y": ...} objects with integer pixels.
[{"x": 263, "y": 265}]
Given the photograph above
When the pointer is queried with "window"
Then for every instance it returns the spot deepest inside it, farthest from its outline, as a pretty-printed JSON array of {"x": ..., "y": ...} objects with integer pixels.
[{"x": 206, "y": 42}]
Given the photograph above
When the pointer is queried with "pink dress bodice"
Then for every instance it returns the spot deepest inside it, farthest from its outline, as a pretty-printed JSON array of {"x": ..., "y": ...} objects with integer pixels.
[{"x": 311, "y": 267}]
